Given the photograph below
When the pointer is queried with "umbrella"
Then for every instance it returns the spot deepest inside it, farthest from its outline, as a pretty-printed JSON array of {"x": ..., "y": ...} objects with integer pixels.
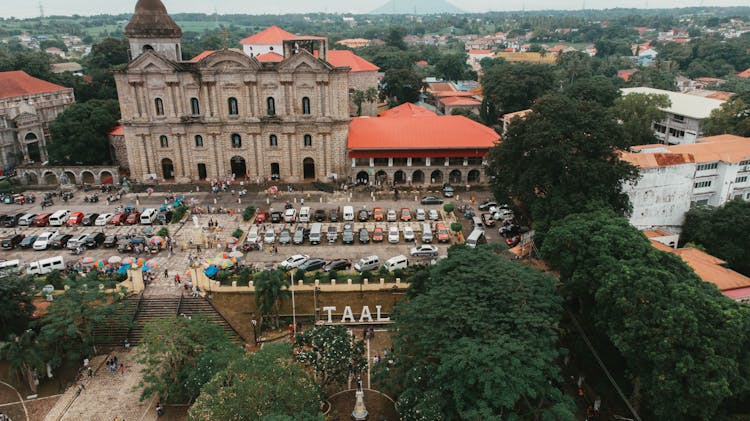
[
  {"x": 152, "y": 264},
  {"x": 211, "y": 270},
  {"x": 123, "y": 269},
  {"x": 226, "y": 264},
  {"x": 236, "y": 254},
  {"x": 139, "y": 262},
  {"x": 101, "y": 262},
  {"x": 128, "y": 261},
  {"x": 115, "y": 259},
  {"x": 156, "y": 240},
  {"x": 222, "y": 255},
  {"x": 273, "y": 189},
  {"x": 87, "y": 260},
  {"x": 148, "y": 230},
  {"x": 150, "y": 191},
  {"x": 232, "y": 240}
]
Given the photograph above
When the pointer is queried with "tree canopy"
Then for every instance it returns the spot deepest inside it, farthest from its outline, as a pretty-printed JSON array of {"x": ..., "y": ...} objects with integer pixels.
[
  {"x": 400, "y": 86},
  {"x": 514, "y": 86},
  {"x": 332, "y": 353},
  {"x": 732, "y": 118},
  {"x": 717, "y": 230},
  {"x": 266, "y": 385},
  {"x": 638, "y": 113},
  {"x": 83, "y": 127},
  {"x": 15, "y": 299},
  {"x": 478, "y": 341},
  {"x": 180, "y": 355},
  {"x": 681, "y": 339},
  {"x": 546, "y": 161}
]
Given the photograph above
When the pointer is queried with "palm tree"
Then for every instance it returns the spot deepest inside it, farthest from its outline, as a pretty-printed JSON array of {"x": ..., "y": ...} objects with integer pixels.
[
  {"x": 24, "y": 356},
  {"x": 271, "y": 289},
  {"x": 358, "y": 97}
]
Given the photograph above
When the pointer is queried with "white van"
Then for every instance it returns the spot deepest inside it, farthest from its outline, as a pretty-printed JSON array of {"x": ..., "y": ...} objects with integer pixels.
[
  {"x": 304, "y": 214},
  {"x": 316, "y": 232},
  {"x": 290, "y": 215},
  {"x": 44, "y": 241},
  {"x": 252, "y": 236},
  {"x": 45, "y": 266},
  {"x": 148, "y": 216},
  {"x": 395, "y": 263},
  {"x": 477, "y": 223},
  {"x": 10, "y": 268},
  {"x": 476, "y": 238},
  {"x": 25, "y": 220},
  {"x": 367, "y": 263},
  {"x": 348, "y": 213},
  {"x": 426, "y": 233},
  {"x": 59, "y": 218}
]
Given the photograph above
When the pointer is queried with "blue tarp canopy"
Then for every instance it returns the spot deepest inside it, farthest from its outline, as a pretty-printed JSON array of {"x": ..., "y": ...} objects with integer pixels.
[
  {"x": 211, "y": 270},
  {"x": 123, "y": 269}
]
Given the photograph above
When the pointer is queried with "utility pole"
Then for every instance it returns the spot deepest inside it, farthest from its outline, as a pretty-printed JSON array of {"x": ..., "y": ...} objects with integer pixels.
[{"x": 41, "y": 13}]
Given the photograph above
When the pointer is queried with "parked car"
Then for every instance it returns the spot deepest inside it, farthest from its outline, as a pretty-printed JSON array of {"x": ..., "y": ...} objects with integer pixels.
[
  {"x": 448, "y": 190},
  {"x": 261, "y": 217},
  {"x": 408, "y": 234},
  {"x": 443, "y": 236},
  {"x": 363, "y": 216},
  {"x": 76, "y": 241},
  {"x": 488, "y": 220},
  {"x": 405, "y": 214},
  {"x": 269, "y": 237},
  {"x": 391, "y": 216},
  {"x": 503, "y": 214},
  {"x": 7, "y": 221},
  {"x": 16, "y": 218},
  {"x": 513, "y": 241},
  {"x": 420, "y": 214},
  {"x": 27, "y": 242},
  {"x": 276, "y": 217},
  {"x": 425, "y": 250},
  {"x": 338, "y": 264},
  {"x": 299, "y": 235},
  {"x": 110, "y": 241},
  {"x": 74, "y": 219},
  {"x": 294, "y": 261},
  {"x": 312, "y": 264},
  {"x": 61, "y": 240},
  {"x": 320, "y": 215},
  {"x": 44, "y": 241},
  {"x": 377, "y": 214},
  {"x": 133, "y": 218},
  {"x": 393, "y": 235},
  {"x": 89, "y": 219},
  {"x": 103, "y": 219},
  {"x": 118, "y": 219},
  {"x": 431, "y": 200},
  {"x": 333, "y": 215},
  {"x": 12, "y": 241},
  {"x": 487, "y": 204},
  {"x": 433, "y": 215},
  {"x": 285, "y": 236},
  {"x": 347, "y": 237},
  {"x": 364, "y": 236},
  {"x": 94, "y": 240},
  {"x": 377, "y": 235}
]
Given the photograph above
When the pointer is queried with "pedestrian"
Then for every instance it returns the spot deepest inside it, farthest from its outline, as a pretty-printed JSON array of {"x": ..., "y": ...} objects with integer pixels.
[
  {"x": 122, "y": 369},
  {"x": 116, "y": 362},
  {"x": 126, "y": 344},
  {"x": 159, "y": 409},
  {"x": 90, "y": 371},
  {"x": 198, "y": 247},
  {"x": 85, "y": 362},
  {"x": 166, "y": 273}
]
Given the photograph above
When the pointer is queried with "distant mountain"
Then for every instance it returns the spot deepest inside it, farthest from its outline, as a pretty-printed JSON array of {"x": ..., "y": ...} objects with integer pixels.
[{"x": 419, "y": 7}]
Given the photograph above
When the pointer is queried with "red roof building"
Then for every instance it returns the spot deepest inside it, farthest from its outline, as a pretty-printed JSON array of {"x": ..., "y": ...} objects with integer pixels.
[
  {"x": 272, "y": 35},
  {"x": 346, "y": 58},
  {"x": 412, "y": 145},
  {"x": 270, "y": 57},
  {"x": 19, "y": 83}
]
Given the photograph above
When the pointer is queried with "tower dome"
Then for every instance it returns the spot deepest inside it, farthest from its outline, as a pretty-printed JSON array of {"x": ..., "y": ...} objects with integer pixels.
[
  {"x": 151, "y": 28},
  {"x": 151, "y": 20}
]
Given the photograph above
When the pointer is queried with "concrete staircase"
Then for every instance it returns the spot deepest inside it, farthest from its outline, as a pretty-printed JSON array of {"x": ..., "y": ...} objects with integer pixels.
[
  {"x": 201, "y": 307},
  {"x": 151, "y": 309},
  {"x": 117, "y": 328}
]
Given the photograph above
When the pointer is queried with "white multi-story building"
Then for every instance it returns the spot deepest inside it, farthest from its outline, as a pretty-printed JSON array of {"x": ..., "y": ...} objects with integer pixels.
[
  {"x": 673, "y": 178},
  {"x": 684, "y": 117}
]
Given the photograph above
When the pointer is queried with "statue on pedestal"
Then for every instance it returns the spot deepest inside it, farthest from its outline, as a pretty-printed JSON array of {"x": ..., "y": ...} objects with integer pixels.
[{"x": 360, "y": 412}]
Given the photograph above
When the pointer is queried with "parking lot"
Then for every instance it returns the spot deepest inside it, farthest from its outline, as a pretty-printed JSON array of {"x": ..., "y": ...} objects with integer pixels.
[{"x": 188, "y": 236}]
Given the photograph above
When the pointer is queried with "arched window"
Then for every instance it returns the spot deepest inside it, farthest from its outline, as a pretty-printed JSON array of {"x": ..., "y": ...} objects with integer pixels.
[
  {"x": 195, "y": 106},
  {"x": 273, "y": 140},
  {"x": 233, "y": 108},
  {"x": 236, "y": 141},
  {"x": 159, "y": 106},
  {"x": 305, "y": 105},
  {"x": 271, "y": 103},
  {"x": 164, "y": 141},
  {"x": 308, "y": 140},
  {"x": 198, "y": 141}
]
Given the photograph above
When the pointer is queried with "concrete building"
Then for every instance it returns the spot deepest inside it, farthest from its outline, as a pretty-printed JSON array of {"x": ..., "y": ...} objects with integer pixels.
[
  {"x": 674, "y": 178},
  {"x": 412, "y": 145},
  {"x": 228, "y": 114},
  {"x": 684, "y": 120},
  {"x": 27, "y": 107}
]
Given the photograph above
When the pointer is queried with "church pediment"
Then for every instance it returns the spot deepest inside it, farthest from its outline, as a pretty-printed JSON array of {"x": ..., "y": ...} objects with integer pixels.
[
  {"x": 303, "y": 62},
  {"x": 151, "y": 61},
  {"x": 226, "y": 60}
]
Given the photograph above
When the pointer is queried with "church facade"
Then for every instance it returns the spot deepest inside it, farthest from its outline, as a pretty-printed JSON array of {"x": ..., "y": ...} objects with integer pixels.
[{"x": 225, "y": 114}]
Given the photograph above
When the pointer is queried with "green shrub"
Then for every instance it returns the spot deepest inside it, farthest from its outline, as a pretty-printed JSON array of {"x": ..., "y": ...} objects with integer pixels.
[
  {"x": 248, "y": 213},
  {"x": 448, "y": 207},
  {"x": 383, "y": 271},
  {"x": 5, "y": 186},
  {"x": 456, "y": 227},
  {"x": 333, "y": 275},
  {"x": 163, "y": 232},
  {"x": 178, "y": 213},
  {"x": 366, "y": 275},
  {"x": 237, "y": 233}
]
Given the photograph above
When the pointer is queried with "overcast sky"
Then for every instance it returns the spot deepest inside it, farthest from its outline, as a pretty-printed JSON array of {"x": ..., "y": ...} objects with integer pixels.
[{"x": 29, "y": 8}]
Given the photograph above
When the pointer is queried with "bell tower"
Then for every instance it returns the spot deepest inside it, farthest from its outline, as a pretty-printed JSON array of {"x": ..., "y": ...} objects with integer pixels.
[{"x": 151, "y": 28}]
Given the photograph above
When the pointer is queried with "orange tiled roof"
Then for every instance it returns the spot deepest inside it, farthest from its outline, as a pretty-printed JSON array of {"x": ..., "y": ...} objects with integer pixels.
[
  {"x": 424, "y": 132},
  {"x": 117, "y": 131},
  {"x": 346, "y": 58},
  {"x": 407, "y": 110},
  {"x": 457, "y": 100},
  {"x": 272, "y": 35},
  {"x": 479, "y": 52},
  {"x": 422, "y": 63},
  {"x": 726, "y": 148},
  {"x": 201, "y": 56},
  {"x": 656, "y": 233},
  {"x": 656, "y": 160},
  {"x": 744, "y": 74},
  {"x": 269, "y": 57},
  {"x": 19, "y": 83},
  {"x": 441, "y": 87},
  {"x": 444, "y": 94}
]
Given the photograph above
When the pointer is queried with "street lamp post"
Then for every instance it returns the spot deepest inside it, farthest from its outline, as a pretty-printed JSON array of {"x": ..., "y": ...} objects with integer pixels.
[
  {"x": 316, "y": 290},
  {"x": 294, "y": 309},
  {"x": 255, "y": 333}
]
